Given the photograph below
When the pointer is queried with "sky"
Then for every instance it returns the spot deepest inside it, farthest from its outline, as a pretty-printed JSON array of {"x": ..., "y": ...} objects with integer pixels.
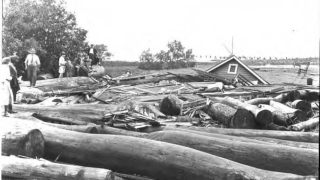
[{"x": 260, "y": 28}]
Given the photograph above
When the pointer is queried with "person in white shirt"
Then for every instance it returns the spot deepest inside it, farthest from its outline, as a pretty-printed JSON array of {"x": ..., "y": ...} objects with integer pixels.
[
  {"x": 62, "y": 64},
  {"x": 32, "y": 64},
  {"x": 6, "y": 96}
]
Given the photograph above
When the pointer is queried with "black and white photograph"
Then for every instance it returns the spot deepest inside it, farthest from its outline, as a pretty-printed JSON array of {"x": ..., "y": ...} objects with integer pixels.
[{"x": 159, "y": 89}]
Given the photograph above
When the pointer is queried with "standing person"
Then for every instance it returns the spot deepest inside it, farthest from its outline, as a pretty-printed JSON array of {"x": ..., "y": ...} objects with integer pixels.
[
  {"x": 62, "y": 64},
  {"x": 92, "y": 52},
  {"x": 32, "y": 64},
  {"x": 14, "y": 83},
  {"x": 69, "y": 68},
  {"x": 6, "y": 97}
]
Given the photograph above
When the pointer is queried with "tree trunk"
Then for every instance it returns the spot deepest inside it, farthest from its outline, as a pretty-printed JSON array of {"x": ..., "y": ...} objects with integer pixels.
[
  {"x": 79, "y": 114},
  {"x": 20, "y": 141},
  {"x": 298, "y": 114},
  {"x": 132, "y": 155},
  {"x": 15, "y": 167},
  {"x": 306, "y": 125},
  {"x": 279, "y": 117},
  {"x": 275, "y": 157},
  {"x": 262, "y": 116},
  {"x": 257, "y": 101},
  {"x": 284, "y": 135}
]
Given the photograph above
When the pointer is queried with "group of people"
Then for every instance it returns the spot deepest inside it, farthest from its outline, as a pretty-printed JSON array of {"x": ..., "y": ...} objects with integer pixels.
[
  {"x": 9, "y": 84},
  {"x": 83, "y": 63}
]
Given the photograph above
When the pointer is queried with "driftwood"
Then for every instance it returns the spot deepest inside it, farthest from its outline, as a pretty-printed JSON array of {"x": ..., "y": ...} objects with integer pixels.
[
  {"x": 279, "y": 117},
  {"x": 276, "y": 157},
  {"x": 20, "y": 141},
  {"x": 150, "y": 158},
  {"x": 306, "y": 125},
  {"x": 262, "y": 116},
  {"x": 297, "y": 114},
  {"x": 257, "y": 101},
  {"x": 14, "y": 167},
  {"x": 284, "y": 135}
]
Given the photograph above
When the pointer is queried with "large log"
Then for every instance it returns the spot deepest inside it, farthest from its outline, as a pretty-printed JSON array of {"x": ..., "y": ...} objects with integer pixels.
[
  {"x": 68, "y": 82},
  {"x": 14, "y": 167},
  {"x": 257, "y": 101},
  {"x": 276, "y": 157},
  {"x": 308, "y": 95},
  {"x": 132, "y": 155},
  {"x": 279, "y": 117},
  {"x": 171, "y": 105},
  {"x": 20, "y": 141},
  {"x": 301, "y": 105},
  {"x": 231, "y": 117},
  {"x": 297, "y": 114},
  {"x": 306, "y": 125},
  {"x": 263, "y": 116},
  {"x": 71, "y": 114},
  {"x": 284, "y": 135}
]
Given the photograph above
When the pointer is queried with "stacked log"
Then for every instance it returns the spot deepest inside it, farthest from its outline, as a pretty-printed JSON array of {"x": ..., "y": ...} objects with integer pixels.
[
  {"x": 262, "y": 116},
  {"x": 278, "y": 117},
  {"x": 150, "y": 158},
  {"x": 296, "y": 113},
  {"x": 171, "y": 105}
]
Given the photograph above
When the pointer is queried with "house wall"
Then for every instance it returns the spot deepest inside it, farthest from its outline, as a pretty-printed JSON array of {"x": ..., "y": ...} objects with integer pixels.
[{"x": 222, "y": 71}]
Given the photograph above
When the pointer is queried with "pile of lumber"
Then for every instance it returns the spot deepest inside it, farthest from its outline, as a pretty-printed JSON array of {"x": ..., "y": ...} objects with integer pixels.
[{"x": 90, "y": 129}]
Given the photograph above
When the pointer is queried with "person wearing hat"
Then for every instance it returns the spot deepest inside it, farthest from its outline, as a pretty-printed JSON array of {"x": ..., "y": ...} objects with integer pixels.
[
  {"x": 14, "y": 83},
  {"x": 6, "y": 97},
  {"x": 62, "y": 64},
  {"x": 32, "y": 64}
]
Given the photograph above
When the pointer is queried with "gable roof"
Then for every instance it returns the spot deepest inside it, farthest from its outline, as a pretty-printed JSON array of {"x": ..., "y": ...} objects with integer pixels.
[{"x": 242, "y": 64}]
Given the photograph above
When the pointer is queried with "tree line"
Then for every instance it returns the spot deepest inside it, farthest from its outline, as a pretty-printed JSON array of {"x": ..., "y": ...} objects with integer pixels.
[
  {"x": 175, "y": 57},
  {"x": 48, "y": 27}
]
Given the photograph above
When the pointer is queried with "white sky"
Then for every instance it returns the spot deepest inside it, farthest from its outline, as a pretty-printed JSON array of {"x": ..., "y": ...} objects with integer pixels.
[{"x": 282, "y": 28}]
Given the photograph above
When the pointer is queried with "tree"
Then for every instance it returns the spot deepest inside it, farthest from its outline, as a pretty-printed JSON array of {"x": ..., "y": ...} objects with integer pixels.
[
  {"x": 45, "y": 24},
  {"x": 102, "y": 51},
  {"x": 174, "y": 57}
]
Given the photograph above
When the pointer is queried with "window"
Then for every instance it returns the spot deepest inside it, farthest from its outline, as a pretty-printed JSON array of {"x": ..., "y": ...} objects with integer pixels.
[{"x": 232, "y": 68}]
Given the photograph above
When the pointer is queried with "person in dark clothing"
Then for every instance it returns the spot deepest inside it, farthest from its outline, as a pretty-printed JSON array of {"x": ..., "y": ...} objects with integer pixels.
[
  {"x": 14, "y": 83},
  {"x": 92, "y": 53}
]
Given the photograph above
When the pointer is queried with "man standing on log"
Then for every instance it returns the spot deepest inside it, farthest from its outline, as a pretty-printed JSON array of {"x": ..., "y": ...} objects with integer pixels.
[
  {"x": 32, "y": 64},
  {"x": 92, "y": 52},
  {"x": 62, "y": 64}
]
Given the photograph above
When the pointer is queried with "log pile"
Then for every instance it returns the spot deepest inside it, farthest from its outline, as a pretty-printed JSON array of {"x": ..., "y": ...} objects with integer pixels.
[{"x": 95, "y": 129}]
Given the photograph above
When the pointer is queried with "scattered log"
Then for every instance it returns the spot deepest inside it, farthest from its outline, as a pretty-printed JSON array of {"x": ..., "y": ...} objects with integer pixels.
[
  {"x": 221, "y": 112},
  {"x": 284, "y": 158},
  {"x": 20, "y": 141},
  {"x": 302, "y": 105},
  {"x": 278, "y": 117},
  {"x": 297, "y": 114},
  {"x": 263, "y": 116},
  {"x": 68, "y": 82},
  {"x": 14, "y": 167},
  {"x": 243, "y": 119},
  {"x": 284, "y": 135},
  {"x": 171, "y": 105},
  {"x": 79, "y": 114},
  {"x": 287, "y": 143},
  {"x": 257, "y": 101},
  {"x": 149, "y": 158},
  {"x": 306, "y": 125},
  {"x": 281, "y": 98}
]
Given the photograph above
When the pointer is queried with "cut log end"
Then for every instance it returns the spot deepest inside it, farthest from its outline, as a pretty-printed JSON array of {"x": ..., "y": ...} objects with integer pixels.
[
  {"x": 33, "y": 144},
  {"x": 91, "y": 130},
  {"x": 264, "y": 116},
  {"x": 243, "y": 119}
]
